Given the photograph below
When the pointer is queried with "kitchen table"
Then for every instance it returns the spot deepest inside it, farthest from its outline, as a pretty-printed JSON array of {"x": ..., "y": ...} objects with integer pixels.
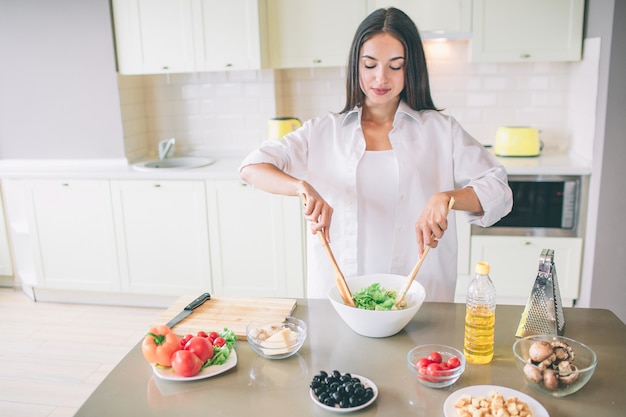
[{"x": 262, "y": 387}]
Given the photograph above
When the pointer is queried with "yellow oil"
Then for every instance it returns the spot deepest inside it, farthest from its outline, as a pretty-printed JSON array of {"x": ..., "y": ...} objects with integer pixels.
[{"x": 479, "y": 334}]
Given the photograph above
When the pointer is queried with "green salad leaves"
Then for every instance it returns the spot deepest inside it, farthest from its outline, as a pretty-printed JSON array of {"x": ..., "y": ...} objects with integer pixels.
[{"x": 375, "y": 297}]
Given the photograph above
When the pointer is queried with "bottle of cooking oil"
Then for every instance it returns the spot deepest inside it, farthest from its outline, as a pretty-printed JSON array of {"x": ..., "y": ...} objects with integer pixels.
[{"x": 480, "y": 317}]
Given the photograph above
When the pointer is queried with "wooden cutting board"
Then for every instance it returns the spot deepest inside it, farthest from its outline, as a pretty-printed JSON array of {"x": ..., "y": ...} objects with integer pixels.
[{"x": 232, "y": 312}]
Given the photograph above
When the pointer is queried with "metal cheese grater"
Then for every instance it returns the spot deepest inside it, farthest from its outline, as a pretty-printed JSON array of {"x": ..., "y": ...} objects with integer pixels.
[{"x": 544, "y": 312}]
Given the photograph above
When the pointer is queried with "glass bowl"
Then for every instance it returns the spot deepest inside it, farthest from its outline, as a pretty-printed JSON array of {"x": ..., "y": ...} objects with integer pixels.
[
  {"x": 553, "y": 376},
  {"x": 435, "y": 378},
  {"x": 276, "y": 340}
]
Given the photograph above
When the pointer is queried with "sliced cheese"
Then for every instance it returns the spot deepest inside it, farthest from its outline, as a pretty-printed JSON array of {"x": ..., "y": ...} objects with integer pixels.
[{"x": 280, "y": 342}]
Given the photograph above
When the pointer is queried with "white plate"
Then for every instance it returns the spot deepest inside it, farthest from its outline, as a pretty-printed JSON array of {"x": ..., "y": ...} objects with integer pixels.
[
  {"x": 483, "y": 390},
  {"x": 209, "y": 371},
  {"x": 365, "y": 381}
]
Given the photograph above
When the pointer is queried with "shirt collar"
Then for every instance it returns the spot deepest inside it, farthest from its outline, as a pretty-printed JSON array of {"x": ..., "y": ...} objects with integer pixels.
[{"x": 403, "y": 109}]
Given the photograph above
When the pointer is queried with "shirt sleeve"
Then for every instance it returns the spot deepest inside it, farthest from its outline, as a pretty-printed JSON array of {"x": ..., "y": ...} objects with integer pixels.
[
  {"x": 288, "y": 154},
  {"x": 476, "y": 167}
]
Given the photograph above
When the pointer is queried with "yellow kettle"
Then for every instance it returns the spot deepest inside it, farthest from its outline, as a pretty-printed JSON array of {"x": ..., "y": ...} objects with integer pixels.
[{"x": 280, "y": 126}]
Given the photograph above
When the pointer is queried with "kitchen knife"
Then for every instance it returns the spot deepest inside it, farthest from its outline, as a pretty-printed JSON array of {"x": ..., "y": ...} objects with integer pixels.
[{"x": 189, "y": 309}]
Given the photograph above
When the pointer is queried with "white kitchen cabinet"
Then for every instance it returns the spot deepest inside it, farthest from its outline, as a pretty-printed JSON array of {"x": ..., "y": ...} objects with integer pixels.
[
  {"x": 154, "y": 36},
  {"x": 173, "y": 36},
  {"x": 434, "y": 18},
  {"x": 305, "y": 33},
  {"x": 527, "y": 30},
  {"x": 257, "y": 241},
  {"x": 162, "y": 235},
  {"x": 6, "y": 268},
  {"x": 514, "y": 261},
  {"x": 230, "y": 35},
  {"x": 73, "y": 240}
]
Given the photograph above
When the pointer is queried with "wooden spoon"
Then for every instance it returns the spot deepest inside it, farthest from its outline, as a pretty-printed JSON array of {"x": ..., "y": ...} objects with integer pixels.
[
  {"x": 344, "y": 291},
  {"x": 417, "y": 267}
]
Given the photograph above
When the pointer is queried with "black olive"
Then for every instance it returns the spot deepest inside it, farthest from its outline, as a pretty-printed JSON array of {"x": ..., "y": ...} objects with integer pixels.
[
  {"x": 343, "y": 390},
  {"x": 369, "y": 394}
]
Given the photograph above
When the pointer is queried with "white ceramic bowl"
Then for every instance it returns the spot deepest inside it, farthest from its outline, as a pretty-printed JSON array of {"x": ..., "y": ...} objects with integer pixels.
[{"x": 372, "y": 323}]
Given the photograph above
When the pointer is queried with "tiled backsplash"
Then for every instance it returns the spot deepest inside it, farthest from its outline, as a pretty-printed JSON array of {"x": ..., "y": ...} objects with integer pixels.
[{"x": 227, "y": 112}]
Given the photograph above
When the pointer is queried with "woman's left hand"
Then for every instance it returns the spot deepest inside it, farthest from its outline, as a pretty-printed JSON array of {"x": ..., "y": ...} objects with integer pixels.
[{"x": 432, "y": 223}]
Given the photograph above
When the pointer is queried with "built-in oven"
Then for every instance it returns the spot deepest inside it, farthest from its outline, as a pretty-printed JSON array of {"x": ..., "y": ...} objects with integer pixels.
[{"x": 543, "y": 205}]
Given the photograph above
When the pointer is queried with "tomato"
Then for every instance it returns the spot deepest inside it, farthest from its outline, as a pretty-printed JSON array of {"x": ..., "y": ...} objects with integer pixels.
[
  {"x": 219, "y": 341},
  {"x": 444, "y": 366},
  {"x": 186, "y": 363},
  {"x": 184, "y": 340},
  {"x": 454, "y": 362},
  {"x": 422, "y": 363},
  {"x": 435, "y": 357},
  {"x": 201, "y": 347},
  {"x": 202, "y": 334},
  {"x": 213, "y": 336},
  {"x": 159, "y": 344},
  {"x": 434, "y": 369}
]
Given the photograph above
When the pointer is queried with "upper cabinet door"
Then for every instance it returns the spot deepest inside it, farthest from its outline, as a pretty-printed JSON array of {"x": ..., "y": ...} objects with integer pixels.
[
  {"x": 154, "y": 36},
  {"x": 307, "y": 33},
  {"x": 527, "y": 30},
  {"x": 435, "y": 18},
  {"x": 230, "y": 35}
]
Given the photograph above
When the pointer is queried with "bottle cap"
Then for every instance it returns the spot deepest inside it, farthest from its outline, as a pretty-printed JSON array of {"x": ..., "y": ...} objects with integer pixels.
[{"x": 482, "y": 268}]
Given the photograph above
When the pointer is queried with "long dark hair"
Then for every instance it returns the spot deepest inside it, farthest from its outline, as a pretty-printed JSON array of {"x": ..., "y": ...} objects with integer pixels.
[{"x": 396, "y": 23}]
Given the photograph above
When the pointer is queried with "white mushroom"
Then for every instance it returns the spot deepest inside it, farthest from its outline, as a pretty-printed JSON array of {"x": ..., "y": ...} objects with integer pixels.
[
  {"x": 540, "y": 351},
  {"x": 533, "y": 373},
  {"x": 550, "y": 380},
  {"x": 568, "y": 373},
  {"x": 563, "y": 351}
]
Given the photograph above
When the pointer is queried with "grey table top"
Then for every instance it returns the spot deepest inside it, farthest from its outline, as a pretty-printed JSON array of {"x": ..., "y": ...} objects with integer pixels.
[{"x": 261, "y": 387}]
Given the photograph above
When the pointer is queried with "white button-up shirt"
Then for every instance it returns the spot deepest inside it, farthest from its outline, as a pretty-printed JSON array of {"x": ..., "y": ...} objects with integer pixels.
[{"x": 434, "y": 154}]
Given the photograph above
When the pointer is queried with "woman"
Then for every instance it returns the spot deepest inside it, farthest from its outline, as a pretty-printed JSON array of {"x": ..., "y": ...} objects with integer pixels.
[{"x": 389, "y": 155}]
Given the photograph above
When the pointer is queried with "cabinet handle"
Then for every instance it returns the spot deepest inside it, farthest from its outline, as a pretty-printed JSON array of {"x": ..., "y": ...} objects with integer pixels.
[
  {"x": 317, "y": 61},
  {"x": 528, "y": 243},
  {"x": 524, "y": 56},
  {"x": 229, "y": 65},
  {"x": 157, "y": 185},
  {"x": 165, "y": 68},
  {"x": 65, "y": 184}
]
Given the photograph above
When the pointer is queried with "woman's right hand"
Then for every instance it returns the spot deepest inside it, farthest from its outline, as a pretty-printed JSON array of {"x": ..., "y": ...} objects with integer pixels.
[{"x": 316, "y": 210}]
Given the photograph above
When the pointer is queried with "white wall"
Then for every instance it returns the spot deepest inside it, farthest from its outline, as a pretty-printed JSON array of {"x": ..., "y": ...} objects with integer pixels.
[
  {"x": 58, "y": 85},
  {"x": 227, "y": 111},
  {"x": 603, "y": 284}
]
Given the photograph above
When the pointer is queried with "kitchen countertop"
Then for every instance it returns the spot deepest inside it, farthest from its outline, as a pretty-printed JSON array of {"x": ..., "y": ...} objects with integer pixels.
[
  {"x": 261, "y": 387},
  {"x": 552, "y": 162}
]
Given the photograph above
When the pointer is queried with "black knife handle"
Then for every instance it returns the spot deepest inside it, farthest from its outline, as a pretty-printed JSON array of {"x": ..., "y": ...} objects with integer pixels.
[{"x": 198, "y": 301}]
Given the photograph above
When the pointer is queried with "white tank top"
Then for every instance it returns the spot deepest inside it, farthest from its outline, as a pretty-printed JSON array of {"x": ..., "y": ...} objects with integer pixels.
[{"x": 377, "y": 192}]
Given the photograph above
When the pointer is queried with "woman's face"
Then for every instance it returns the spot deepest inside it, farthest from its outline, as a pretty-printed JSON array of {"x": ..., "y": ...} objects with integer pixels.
[{"x": 381, "y": 69}]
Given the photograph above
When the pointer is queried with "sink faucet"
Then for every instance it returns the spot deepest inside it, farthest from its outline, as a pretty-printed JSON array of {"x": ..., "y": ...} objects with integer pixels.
[{"x": 165, "y": 146}]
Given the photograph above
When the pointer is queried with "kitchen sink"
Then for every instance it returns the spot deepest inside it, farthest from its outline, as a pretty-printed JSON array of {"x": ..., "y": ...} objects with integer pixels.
[{"x": 181, "y": 162}]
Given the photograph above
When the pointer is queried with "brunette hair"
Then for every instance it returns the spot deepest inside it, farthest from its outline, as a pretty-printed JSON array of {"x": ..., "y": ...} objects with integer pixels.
[{"x": 396, "y": 23}]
